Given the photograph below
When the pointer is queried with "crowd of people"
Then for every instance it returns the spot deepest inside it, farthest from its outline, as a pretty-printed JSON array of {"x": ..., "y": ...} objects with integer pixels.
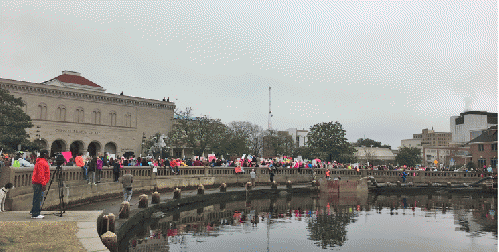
[{"x": 92, "y": 165}]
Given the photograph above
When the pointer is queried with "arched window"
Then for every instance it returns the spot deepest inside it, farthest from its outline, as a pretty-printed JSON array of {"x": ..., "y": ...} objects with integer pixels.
[
  {"x": 42, "y": 111},
  {"x": 128, "y": 120},
  {"x": 96, "y": 117},
  {"x": 79, "y": 115},
  {"x": 112, "y": 117},
  {"x": 60, "y": 114}
]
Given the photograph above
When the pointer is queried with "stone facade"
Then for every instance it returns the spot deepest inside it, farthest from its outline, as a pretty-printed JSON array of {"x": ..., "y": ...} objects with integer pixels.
[
  {"x": 81, "y": 117},
  {"x": 432, "y": 138}
]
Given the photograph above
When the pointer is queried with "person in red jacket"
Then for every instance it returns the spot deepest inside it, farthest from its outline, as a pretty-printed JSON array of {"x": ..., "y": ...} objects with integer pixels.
[
  {"x": 173, "y": 166},
  {"x": 80, "y": 163},
  {"x": 40, "y": 178}
]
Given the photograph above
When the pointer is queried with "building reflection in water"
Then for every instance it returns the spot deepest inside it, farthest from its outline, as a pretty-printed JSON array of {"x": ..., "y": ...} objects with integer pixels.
[{"x": 326, "y": 217}]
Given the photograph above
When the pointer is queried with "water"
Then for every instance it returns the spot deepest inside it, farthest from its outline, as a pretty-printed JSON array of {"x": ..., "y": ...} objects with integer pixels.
[{"x": 320, "y": 222}]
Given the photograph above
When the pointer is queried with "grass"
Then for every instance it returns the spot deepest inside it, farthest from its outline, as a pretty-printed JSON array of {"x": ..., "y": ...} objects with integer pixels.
[{"x": 39, "y": 236}]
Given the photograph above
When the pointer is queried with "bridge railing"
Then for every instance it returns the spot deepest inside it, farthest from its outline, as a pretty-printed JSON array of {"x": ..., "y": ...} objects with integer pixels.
[{"x": 21, "y": 177}]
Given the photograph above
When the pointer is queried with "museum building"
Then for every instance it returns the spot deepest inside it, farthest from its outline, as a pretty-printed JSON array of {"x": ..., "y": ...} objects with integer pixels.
[{"x": 71, "y": 113}]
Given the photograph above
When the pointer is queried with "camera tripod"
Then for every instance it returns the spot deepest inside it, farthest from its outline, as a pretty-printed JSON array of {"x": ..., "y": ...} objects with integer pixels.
[{"x": 58, "y": 175}]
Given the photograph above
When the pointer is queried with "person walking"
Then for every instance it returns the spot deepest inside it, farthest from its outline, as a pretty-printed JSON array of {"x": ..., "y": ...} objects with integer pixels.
[
  {"x": 404, "y": 176},
  {"x": 127, "y": 181},
  {"x": 271, "y": 173},
  {"x": 40, "y": 178},
  {"x": 253, "y": 177},
  {"x": 91, "y": 170}
]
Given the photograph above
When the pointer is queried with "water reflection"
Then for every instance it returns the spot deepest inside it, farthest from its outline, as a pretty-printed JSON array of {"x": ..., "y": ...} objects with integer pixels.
[
  {"x": 317, "y": 222},
  {"x": 328, "y": 227}
]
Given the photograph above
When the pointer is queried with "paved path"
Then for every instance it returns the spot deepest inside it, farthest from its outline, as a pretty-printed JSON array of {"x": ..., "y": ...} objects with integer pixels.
[{"x": 86, "y": 222}]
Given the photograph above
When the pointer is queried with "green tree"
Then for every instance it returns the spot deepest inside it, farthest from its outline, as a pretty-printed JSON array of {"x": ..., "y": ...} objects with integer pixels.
[
  {"x": 470, "y": 165},
  {"x": 304, "y": 151},
  {"x": 409, "y": 156},
  {"x": 198, "y": 133},
  {"x": 229, "y": 144},
  {"x": 278, "y": 143},
  {"x": 330, "y": 230},
  {"x": 13, "y": 123},
  {"x": 327, "y": 141},
  {"x": 251, "y": 133}
]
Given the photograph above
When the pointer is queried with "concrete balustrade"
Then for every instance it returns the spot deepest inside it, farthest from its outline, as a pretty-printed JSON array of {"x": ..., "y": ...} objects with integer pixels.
[
  {"x": 143, "y": 201},
  {"x": 223, "y": 187},
  {"x": 77, "y": 190},
  {"x": 155, "y": 198}
]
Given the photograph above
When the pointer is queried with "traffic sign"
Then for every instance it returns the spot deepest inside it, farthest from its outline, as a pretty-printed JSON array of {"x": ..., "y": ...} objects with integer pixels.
[{"x": 435, "y": 162}]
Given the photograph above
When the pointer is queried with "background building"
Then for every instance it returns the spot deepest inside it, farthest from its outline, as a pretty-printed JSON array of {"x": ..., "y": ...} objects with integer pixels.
[
  {"x": 299, "y": 136},
  {"x": 374, "y": 155},
  {"x": 432, "y": 138},
  {"x": 411, "y": 143},
  {"x": 467, "y": 125},
  {"x": 484, "y": 148},
  {"x": 71, "y": 113}
]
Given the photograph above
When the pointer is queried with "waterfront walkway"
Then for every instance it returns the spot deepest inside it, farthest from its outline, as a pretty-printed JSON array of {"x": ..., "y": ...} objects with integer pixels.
[{"x": 85, "y": 219}]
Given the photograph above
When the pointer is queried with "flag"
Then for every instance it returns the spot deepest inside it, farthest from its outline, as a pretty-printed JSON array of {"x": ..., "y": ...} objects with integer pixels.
[
  {"x": 67, "y": 155},
  {"x": 238, "y": 169}
]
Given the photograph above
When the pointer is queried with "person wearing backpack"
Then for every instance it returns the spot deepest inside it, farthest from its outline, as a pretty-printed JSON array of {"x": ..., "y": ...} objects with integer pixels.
[{"x": 127, "y": 181}]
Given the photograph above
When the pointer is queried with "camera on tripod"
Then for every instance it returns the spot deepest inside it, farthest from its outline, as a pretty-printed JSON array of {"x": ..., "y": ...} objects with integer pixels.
[{"x": 59, "y": 159}]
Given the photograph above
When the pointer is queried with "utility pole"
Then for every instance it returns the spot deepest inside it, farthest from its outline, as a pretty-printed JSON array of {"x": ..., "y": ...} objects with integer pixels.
[{"x": 270, "y": 112}]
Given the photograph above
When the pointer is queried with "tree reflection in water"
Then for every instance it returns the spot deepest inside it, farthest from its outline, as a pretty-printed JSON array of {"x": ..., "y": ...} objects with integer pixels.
[{"x": 329, "y": 229}]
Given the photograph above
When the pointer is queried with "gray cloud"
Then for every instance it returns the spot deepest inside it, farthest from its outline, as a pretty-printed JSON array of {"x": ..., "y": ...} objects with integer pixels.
[{"x": 383, "y": 69}]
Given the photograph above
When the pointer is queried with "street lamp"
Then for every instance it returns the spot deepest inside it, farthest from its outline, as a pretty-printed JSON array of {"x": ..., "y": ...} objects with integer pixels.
[
  {"x": 38, "y": 133},
  {"x": 143, "y": 139}
]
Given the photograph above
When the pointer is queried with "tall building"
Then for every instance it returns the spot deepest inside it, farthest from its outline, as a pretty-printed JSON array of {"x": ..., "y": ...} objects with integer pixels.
[
  {"x": 72, "y": 113},
  {"x": 432, "y": 138},
  {"x": 470, "y": 124}
]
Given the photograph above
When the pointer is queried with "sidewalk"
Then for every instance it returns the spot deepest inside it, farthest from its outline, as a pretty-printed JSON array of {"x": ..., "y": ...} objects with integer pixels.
[{"x": 85, "y": 223}]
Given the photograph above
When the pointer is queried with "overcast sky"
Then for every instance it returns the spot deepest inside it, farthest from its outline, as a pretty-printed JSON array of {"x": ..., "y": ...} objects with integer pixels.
[{"x": 384, "y": 70}]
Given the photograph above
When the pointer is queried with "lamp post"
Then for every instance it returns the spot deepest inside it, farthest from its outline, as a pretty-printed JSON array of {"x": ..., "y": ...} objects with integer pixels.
[
  {"x": 143, "y": 139},
  {"x": 38, "y": 133}
]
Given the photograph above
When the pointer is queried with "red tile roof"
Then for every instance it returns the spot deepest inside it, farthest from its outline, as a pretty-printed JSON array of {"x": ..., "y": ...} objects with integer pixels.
[{"x": 68, "y": 78}]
